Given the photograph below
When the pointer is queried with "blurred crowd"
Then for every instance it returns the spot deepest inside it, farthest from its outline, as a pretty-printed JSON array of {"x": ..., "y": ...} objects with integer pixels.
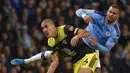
[{"x": 21, "y": 35}]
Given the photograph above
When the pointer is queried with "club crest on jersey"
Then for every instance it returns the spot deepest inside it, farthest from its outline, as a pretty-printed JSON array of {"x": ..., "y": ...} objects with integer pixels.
[
  {"x": 71, "y": 28},
  {"x": 108, "y": 34}
]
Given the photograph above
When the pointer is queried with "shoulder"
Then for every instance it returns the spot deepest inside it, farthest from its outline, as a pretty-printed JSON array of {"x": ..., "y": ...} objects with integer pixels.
[
  {"x": 69, "y": 28},
  {"x": 65, "y": 27},
  {"x": 100, "y": 13},
  {"x": 116, "y": 29},
  {"x": 61, "y": 27}
]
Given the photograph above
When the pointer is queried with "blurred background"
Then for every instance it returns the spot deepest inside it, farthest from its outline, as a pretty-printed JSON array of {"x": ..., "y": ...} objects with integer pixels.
[{"x": 21, "y": 36}]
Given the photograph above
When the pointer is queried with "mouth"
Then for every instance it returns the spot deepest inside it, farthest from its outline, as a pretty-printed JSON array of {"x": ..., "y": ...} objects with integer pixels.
[
  {"x": 47, "y": 34},
  {"x": 110, "y": 18}
]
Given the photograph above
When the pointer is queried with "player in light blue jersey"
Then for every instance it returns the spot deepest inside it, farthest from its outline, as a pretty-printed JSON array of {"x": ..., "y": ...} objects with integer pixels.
[{"x": 104, "y": 28}]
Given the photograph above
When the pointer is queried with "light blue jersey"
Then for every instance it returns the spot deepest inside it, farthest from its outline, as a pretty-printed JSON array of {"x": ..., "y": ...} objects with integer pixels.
[{"x": 106, "y": 35}]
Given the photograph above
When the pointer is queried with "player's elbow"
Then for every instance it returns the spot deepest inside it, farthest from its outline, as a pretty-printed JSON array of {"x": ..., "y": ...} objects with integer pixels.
[
  {"x": 106, "y": 51},
  {"x": 103, "y": 49},
  {"x": 78, "y": 12}
]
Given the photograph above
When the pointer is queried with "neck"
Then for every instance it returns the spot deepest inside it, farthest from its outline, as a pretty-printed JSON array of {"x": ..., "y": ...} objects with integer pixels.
[
  {"x": 109, "y": 22},
  {"x": 56, "y": 32}
]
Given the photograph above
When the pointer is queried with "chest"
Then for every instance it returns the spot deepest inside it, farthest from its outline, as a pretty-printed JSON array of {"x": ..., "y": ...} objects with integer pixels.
[
  {"x": 65, "y": 46},
  {"x": 101, "y": 31}
]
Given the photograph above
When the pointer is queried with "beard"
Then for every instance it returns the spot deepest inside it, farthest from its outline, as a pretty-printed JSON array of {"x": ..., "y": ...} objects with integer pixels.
[{"x": 109, "y": 21}]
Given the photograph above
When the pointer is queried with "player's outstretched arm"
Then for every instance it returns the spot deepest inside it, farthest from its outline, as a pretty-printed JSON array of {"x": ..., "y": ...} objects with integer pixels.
[
  {"x": 109, "y": 44},
  {"x": 42, "y": 55},
  {"x": 89, "y": 15},
  {"x": 81, "y": 34}
]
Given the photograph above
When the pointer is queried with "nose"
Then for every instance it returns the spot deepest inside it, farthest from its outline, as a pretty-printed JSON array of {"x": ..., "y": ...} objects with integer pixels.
[{"x": 111, "y": 14}]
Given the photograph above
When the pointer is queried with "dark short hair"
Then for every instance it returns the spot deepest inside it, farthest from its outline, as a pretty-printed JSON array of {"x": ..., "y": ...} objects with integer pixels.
[
  {"x": 117, "y": 7},
  {"x": 49, "y": 20}
]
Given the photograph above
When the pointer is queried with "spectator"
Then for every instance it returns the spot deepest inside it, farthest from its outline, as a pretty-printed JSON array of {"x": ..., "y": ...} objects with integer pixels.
[{"x": 125, "y": 34}]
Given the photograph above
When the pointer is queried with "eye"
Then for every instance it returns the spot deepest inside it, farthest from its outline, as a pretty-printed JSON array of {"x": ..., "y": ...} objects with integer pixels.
[
  {"x": 110, "y": 11},
  {"x": 42, "y": 28},
  {"x": 114, "y": 13},
  {"x": 46, "y": 26}
]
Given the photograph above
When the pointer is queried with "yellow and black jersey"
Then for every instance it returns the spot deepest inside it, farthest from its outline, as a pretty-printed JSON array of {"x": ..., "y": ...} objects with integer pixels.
[{"x": 62, "y": 43}]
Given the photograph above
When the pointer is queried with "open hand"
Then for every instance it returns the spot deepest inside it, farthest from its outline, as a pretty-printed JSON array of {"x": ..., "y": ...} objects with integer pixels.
[
  {"x": 93, "y": 41},
  {"x": 87, "y": 19},
  {"x": 74, "y": 41}
]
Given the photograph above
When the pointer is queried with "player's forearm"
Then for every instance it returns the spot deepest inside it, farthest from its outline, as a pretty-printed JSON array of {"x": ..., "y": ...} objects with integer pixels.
[
  {"x": 103, "y": 48},
  {"x": 82, "y": 33},
  {"x": 54, "y": 64},
  {"x": 53, "y": 67},
  {"x": 95, "y": 15},
  {"x": 42, "y": 55}
]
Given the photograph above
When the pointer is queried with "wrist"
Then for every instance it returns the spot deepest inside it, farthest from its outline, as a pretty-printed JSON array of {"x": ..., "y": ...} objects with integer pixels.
[
  {"x": 47, "y": 54},
  {"x": 83, "y": 15},
  {"x": 77, "y": 37}
]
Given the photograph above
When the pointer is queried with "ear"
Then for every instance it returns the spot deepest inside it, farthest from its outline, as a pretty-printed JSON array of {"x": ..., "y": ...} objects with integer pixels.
[{"x": 107, "y": 11}]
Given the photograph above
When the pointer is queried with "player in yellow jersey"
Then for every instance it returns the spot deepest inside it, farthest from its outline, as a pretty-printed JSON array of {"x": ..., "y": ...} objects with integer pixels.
[{"x": 67, "y": 40}]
